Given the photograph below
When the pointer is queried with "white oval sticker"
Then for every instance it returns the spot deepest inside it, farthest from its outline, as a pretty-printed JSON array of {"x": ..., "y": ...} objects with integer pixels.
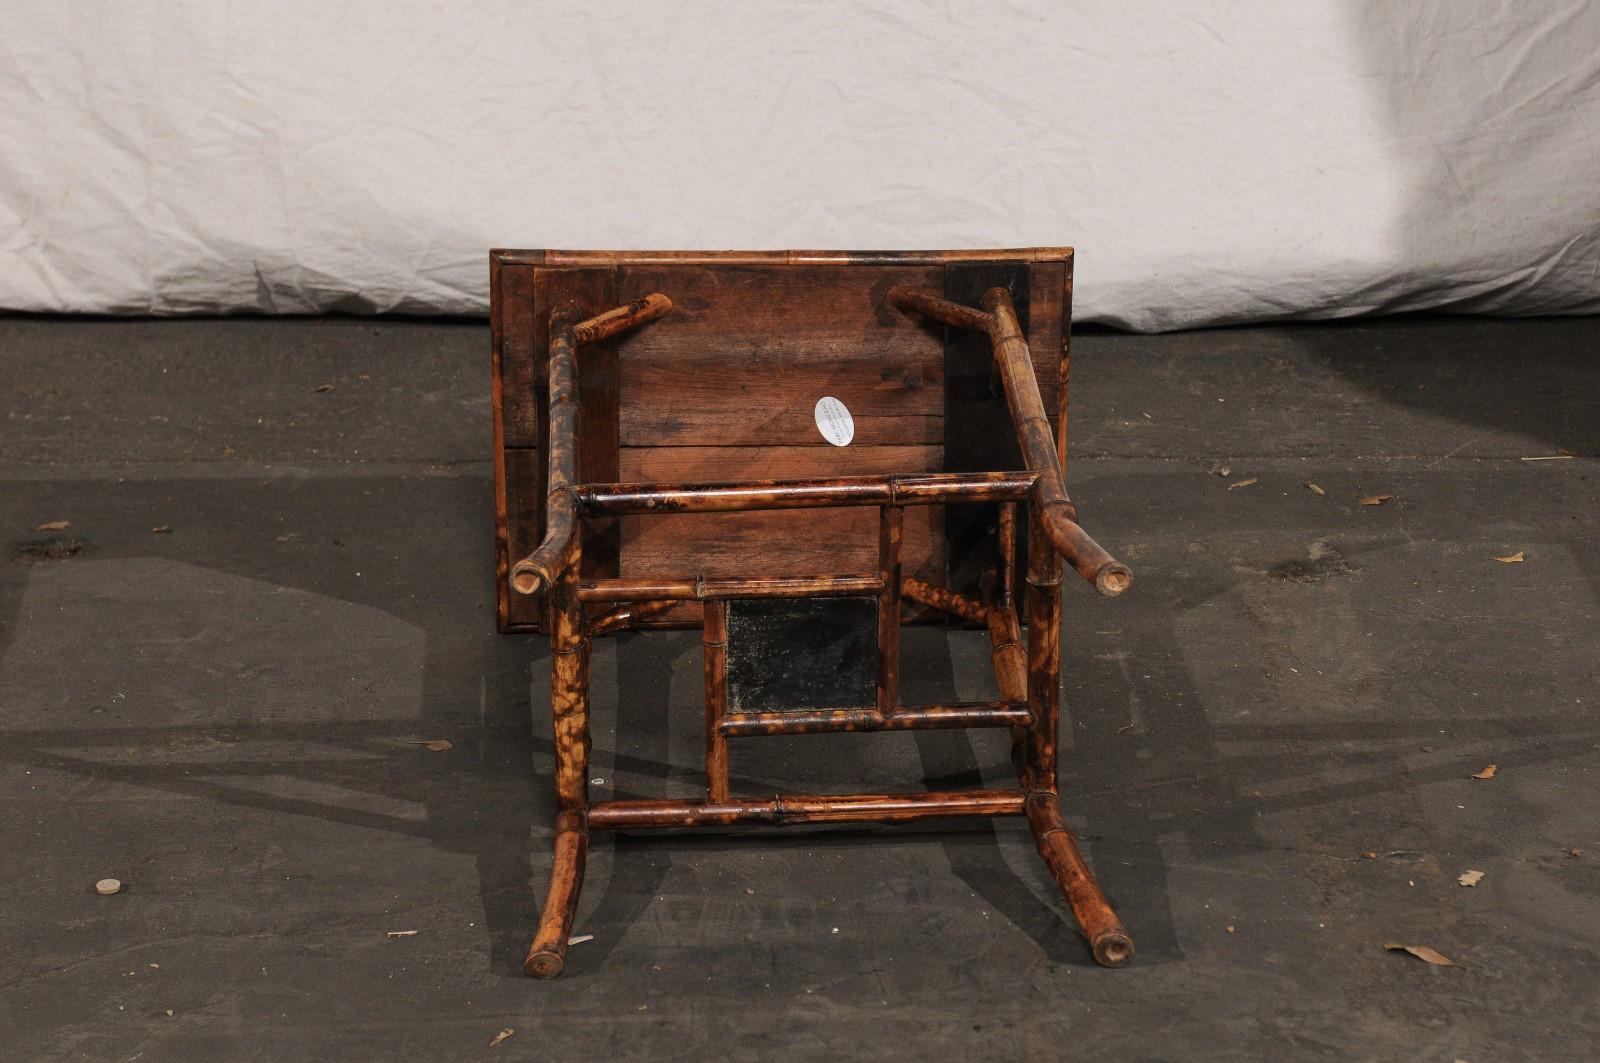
[{"x": 834, "y": 421}]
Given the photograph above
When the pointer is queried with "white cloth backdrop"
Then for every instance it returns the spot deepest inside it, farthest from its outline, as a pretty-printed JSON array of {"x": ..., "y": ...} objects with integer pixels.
[{"x": 1211, "y": 161}]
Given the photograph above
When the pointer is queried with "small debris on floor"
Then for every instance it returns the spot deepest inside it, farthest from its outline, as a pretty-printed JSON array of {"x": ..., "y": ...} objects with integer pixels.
[
  {"x": 1512, "y": 559},
  {"x": 501, "y": 1036},
  {"x": 1221, "y": 470},
  {"x": 579, "y": 939},
  {"x": 53, "y": 525},
  {"x": 1548, "y": 457},
  {"x": 1574, "y": 853},
  {"x": 1314, "y": 489},
  {"x": 1470, "y": 878},
  {"x": 404, "y": 933},
  {"x": 437, "y": 745},
  {"x": 320, "y": 388},
  {"x": 1243, "y": 483},
  {"x": 107, "y": 887},
  {"x": 1486, "y": 773},
  {"x": 1230, "y": 930},
  {"x": 1374, "y": 500},
  {"x": 161, "y": 529},
  {"x": 1369, "y": 856},
  {"x": 1423, "y": 953}
]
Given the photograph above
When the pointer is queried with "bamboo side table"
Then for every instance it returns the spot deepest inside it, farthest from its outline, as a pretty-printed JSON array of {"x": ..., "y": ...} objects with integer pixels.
[{"x": 658, "y": 417}]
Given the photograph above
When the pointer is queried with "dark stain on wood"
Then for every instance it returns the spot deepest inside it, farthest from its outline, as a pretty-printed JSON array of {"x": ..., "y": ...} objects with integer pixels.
[{"x": 794, "y": 654}]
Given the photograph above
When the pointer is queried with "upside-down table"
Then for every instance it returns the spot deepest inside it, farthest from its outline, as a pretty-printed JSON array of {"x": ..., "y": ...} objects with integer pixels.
[{"x": 659, "y": 419}]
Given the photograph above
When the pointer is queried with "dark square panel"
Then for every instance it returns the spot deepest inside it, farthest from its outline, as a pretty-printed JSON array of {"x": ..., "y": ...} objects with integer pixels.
[{"x": 792, "y": 654}]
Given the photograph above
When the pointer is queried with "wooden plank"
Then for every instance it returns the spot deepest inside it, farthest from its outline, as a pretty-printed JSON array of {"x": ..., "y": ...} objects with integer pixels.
[
  {"x": 748, "y": 350},
  {"x": 733, "y": 464},
  {"x": 512, "y": 308},
  {"x": 824, "y": 542},
  {"x": 777, "y": 258}
]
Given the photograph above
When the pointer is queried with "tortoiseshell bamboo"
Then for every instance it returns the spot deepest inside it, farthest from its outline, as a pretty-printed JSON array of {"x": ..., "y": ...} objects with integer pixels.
[
  {"x": 807, "y": 808},
  {"x": 625, "y": 615},
  {"x": 904, "y": 718},
  {"x": 716, "y": 649},
  {"x": 890, "y": 527},
  {"x": 703, "y": 589},
  {"x": 539, "y": 569},
  {"x": 1014, "y": 361},
  {"x": 1006, "y": 533},
  {"x": 1010, "y": 659},
  {"x": 1044, "y": 656},
  {"x": 944, "y": 599},
  {"x": 547, "y": 955},
  {"x": 1108, "y": 941},
  {"x": 929, "y": 305},
  {"x": 569, "y": 705},
  {"x": 1091, "y": 561},
  {"x": 639, "y": 312},
  {"x": 921, "y": 490}
]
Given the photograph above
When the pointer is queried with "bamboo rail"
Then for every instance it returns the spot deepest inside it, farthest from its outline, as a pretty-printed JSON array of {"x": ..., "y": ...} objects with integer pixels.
[
  {"x": 902, "y": 718},
  {"x": 920, "y": 490},
  {"x": 624, "y": 616},
  {"x": 807, "y": 808},
  {"x": 703, "y": 589}
]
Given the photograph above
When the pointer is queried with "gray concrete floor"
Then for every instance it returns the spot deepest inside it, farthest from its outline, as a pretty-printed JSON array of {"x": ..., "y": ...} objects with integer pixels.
[{"x": 1269, "y": 741}]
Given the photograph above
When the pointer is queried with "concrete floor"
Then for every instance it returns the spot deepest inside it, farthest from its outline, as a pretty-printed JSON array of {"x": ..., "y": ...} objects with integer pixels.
[{"x": 1269, "y": 753}]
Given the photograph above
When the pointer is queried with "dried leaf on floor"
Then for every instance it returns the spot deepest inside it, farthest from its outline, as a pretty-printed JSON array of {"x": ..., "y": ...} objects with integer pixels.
[
  {"x": 437, "y": 745},
  {"x": 53, "y": 525},
  {"x": 1423, "y": 953},
  {"x": 1486, "y": 773},
  {"x": 1374, "y": 500},
  {"x": 501, "y": 1036},
  {"x": 1470, "y": 878},
  {"x": 404, "y": 933},
  {"x": 1242, "y": 483},
  {"x": 1314, "y": 489},
  {"x": 1512, "y": 559},
  {"x": 323, "y": 387}
]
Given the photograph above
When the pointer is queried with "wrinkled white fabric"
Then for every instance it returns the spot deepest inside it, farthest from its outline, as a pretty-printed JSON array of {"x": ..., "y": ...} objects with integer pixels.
[{"x": 1211, "y": 162}]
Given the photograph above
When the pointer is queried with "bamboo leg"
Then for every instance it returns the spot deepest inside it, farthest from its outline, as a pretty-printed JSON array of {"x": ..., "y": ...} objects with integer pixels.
[
  {"x": 1108, "y": 940},
  {"x": 716, "y": 643},
  {"x": 1006, "y": 533},
  {"x": 1044, "y": 656},
  {"x": 890, "y": 525},
  {"x": 569, "y": 703},
  {"x": 548, "y": 954}
]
